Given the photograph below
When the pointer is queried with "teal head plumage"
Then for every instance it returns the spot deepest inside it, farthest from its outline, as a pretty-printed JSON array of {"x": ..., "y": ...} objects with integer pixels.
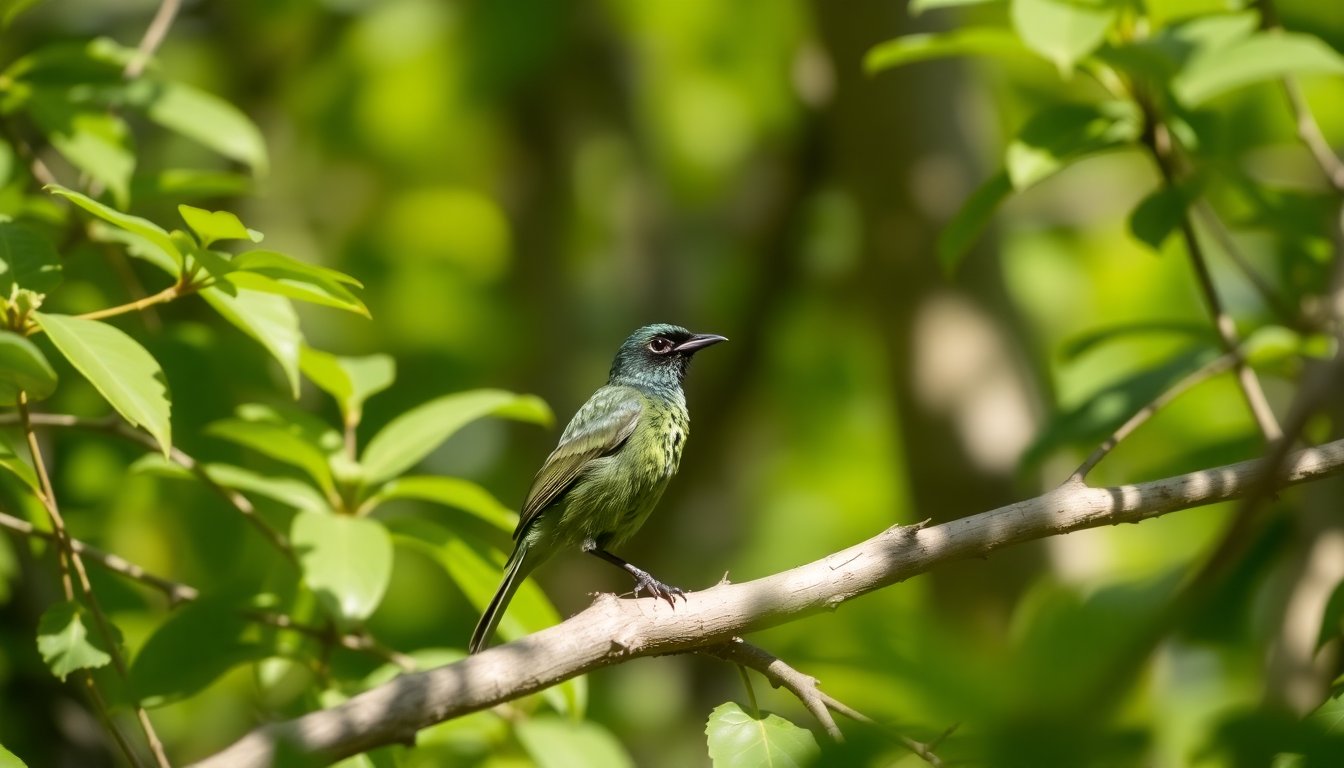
[{"x": 613, "y": 462}]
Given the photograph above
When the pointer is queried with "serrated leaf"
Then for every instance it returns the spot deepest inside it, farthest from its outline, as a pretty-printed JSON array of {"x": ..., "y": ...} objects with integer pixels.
[
  {"x": 962, "y": 231},
  {"x": 196, "y": 645},
  {"x": 149, "y": 232},
  {"x": 23, "y": 367},
  {"x": 1060, "y": 134},
  {"x": 350, "y": 380},
  {"x": 1262, "y": 56},
  {"x": 267, "y": 318},
  {"x": 27, "y": 260},
  {"x": 346, "y": 561},
  {"x": 561, "y": 742},
  {"x": 466, "y": 563},
  {"x": 203, "y": 117},
  {"x": 280, "y": 274},
  {"x": 211, "y": 226},
  {"x": 13, "y": 453},
  {"x": 413, "y": 435},
  {"x": 118, "y": 367},
  {"x": 280, "y": 442},
  {"x": 1159, "y": 215},
  {"x": 972, "y": 41},
  {"x": 64, "y": 642},
  {"x": 450, "y": 491},
  {"x": 1064, "y": 31},
  {"x": 738, "y": 740}
]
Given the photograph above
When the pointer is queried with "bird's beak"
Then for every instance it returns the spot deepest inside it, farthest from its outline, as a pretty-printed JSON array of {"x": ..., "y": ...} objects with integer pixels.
[{"x": 700, "y": 341}]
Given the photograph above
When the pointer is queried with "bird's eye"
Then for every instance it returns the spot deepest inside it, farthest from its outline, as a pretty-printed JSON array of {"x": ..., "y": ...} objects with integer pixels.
[{"x": 660, "y": 346}]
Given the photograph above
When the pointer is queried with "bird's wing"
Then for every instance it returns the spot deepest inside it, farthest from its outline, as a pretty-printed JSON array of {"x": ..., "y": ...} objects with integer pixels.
[{"x": 601, "y": 426}]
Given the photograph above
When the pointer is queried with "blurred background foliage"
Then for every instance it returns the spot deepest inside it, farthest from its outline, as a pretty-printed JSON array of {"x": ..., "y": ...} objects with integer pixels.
[{"x": 519, "y": 184}]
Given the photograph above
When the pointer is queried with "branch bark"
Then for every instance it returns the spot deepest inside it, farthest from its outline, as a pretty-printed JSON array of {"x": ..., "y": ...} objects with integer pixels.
[{"x": 613, "y": 630}]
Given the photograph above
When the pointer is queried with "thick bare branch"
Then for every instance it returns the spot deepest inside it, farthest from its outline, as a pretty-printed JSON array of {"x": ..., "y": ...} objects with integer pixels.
[{"x": 614, "y": 630}]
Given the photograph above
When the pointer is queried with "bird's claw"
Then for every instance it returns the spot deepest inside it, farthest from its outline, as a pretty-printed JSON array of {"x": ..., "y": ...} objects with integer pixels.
[{"x": 656, "y": 588}]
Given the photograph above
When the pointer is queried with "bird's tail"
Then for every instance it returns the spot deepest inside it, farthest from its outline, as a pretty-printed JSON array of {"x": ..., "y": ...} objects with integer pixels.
[{"x": 514, "y": 573}]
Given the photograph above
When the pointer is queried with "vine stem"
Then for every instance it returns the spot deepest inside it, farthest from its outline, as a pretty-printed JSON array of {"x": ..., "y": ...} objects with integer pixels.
[{"x": 73, "y": 561}]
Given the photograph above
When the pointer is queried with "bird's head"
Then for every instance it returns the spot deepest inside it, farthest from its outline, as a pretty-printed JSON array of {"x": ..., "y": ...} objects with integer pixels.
[{"x": 657, "y": 355}]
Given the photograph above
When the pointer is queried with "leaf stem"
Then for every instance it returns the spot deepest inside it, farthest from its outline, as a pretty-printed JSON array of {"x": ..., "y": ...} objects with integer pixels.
[{"x": 174, "y": 291}]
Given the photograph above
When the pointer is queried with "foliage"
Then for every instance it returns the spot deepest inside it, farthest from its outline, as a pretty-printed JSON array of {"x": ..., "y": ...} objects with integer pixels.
[{"x": 305, "y": 431}]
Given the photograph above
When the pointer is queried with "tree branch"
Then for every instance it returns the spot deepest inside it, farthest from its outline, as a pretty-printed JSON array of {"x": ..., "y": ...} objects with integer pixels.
[{"x": 613, "y": 630}]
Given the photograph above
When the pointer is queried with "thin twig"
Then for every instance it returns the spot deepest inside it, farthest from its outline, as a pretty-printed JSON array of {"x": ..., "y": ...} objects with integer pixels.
[
  {"x": 1196, "y": 377},
  {"x": 153, "y": 38},
  {"x": 115, "y": 427},
  {"x": 1308, "y": 130},
  {"x": 48, "y": 498},
  {"x": 1253, "y": 276},
  {"x": 808, "y": 690},
  {"x": 1159, "y": 141},
  {"x": 100, "y": 707},
  {"x": 173, "y": 291}
]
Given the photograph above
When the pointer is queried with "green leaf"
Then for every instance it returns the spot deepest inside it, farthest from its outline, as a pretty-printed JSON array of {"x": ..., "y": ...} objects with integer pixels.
[
  {"x": 738, "y": 739},
  {"x": 1076, "y": 346},
  {"x": 13, "y": 449},
  {"x": 269, "y": 319},
  {"x": 919, "y": 6},
  {"x": 9, "y": 759},
  {"x": 413, "y": 435},
  {"x": 351, "y": 380},
  {"x": 477, "y": 576},
  {"x": 973, "y": 41},
  {"x": 1159, "y": 215},
  {"x": 204, "y": 117},
  {"x": 136, "y": 246},
  {"x": 1064, "y": 31},
  {"x": 211, "y": 226},
  {"x": 346, "y": 561},
  {"x": 27, "y": 260},
  {"x": 1096, "y": 417},
  {"x": 118, "y": 367},
  {"x": 1332, "y": 620},
  {"x": 23, "y": 367},
  {"x": 189, "y": 183},
  {"x": 150, "y": 233},
  {"x": 1262, "y": 56},
  {"x": 64, "y": 641},
  {"x": 10, "y": 12},
  {"x": 196, "y": 645},
  {"x": 293, "y": 493},
  {"x": 283, "y": 443},
  {"x": 962, "y": 231},
  {"x": 1060, "y": 134},
  {"x": 280, "y": 274},
  {"x": 450, "y": 491},
  {"x": 95, "y": 142},
  {"x": 560, "y": 742}
]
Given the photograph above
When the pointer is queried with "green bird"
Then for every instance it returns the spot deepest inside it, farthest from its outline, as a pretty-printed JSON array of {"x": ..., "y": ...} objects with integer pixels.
[{"x": 613, "y": 462}]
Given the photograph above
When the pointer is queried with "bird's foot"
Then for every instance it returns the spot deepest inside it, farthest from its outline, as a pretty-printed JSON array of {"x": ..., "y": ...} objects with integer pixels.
[{"x": 644, "y": 581}]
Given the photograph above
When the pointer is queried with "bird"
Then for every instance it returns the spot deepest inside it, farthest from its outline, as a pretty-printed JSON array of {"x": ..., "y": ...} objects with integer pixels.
[{"x": 613, "y": 462}]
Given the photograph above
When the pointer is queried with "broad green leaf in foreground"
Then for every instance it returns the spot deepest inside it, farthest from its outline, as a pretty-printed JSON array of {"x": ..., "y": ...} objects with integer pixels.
[
  {"x": 973, "y": 41},
  {"x": 204, "y": 117},
  {"x": 1159, "y": 215},
  {"x": 562, "y": 742},
  {"x": 452, "y": 492},
  {"x": 1060, "y": 134},
  {"x": 351, "y": 380},
  {"x": 9, "y": 759},
  {"x": 272, "y": 272},
  {"x": 150, "y": 232},
  {"x": 738, "y": 740},
  {"x": 64, "y": 642},
  {"x": 279, "y": 442},
  {"x": 346, "y": 561},
  {"x": 94, "y": 141},
  {"x": 118, "y": 367},
  {"x": 413, "y": 435},
  {"x": 23, "y": 367},
  {"x": 269, "y": 319},
  {"x": 27, "y": 259},
  {"x": 1263, "y": 56},
  {"x": 1064, "y": 31},
  {"x": 211, "y": 226}
]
